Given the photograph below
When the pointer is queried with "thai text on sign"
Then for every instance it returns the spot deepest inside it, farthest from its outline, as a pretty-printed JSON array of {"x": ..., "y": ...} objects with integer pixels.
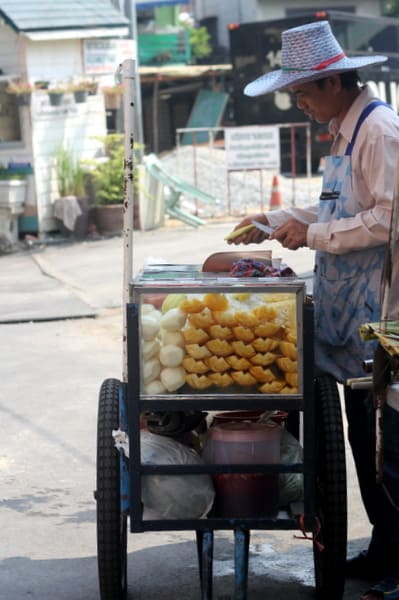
[{"x": 252, "y": 147}]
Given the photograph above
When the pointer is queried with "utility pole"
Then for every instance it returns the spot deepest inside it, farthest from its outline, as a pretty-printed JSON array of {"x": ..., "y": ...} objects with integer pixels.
[{"x": 130, "y": 13}]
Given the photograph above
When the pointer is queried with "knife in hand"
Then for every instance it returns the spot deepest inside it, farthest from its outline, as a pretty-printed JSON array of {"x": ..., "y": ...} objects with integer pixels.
[{"x": 265, "y": 228}]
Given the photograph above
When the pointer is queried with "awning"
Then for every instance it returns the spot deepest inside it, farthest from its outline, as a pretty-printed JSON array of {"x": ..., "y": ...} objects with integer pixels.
[
  {"x": 155, "y": 3},
  {"x": 70, "y": 34}
]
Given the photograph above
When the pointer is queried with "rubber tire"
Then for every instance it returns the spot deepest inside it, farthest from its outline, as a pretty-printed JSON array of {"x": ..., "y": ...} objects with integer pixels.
[
  {"x": 111, "y": 524},
  {"x": 331, "y": 491}
]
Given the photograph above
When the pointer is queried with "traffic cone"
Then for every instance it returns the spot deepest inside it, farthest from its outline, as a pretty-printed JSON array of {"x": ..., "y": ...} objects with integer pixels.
[{"x": 276, "y": 198}]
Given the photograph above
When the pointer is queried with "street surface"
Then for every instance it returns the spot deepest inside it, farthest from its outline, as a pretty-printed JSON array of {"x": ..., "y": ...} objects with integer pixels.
[{"x": 52, "y": 365}]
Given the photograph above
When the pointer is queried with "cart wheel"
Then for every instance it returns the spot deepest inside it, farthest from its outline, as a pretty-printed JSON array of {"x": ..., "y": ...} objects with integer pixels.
[
  {"x": 111, "y": 523},
  {"x": 331, "y": 503}
]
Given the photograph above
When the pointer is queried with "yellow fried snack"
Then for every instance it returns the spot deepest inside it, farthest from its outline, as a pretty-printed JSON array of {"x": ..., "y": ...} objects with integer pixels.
[
  {"x": 195, "y": 336},
  {"x": 265, "y": 312},
  {"x": 224, "y": 318},
  {"x": 220, "y": 379},
  {"x": 194, "y": 366},
  {"x": 198, "y": 382},
  {"x": 241, "y": 296},
  {"x": 198, "y": 352},
  {"x": 242, "y": 349},
  {"x": 289, "y": 390},
  {"x": 262, "y": 375},
  {"x": 217, "y": 364},
  {"x": 287, "y": 365},
  {"x": 219, "y": 347},
  {"x": 274, "y": 387},
  {"x": 220, "y": 332},
  {"x": 246, "y": 319},
  {"x": 201, "y": 319},
  {"x": 288, "y": 349},
  {"x": 238, "y": 362},
  {"x": 216, "y": 301},
  {"x": 193, "y": 305},
  {"x": 263, "y": 359},
  {"x": 264, "y": 345},
  {"x": 243, "y": 333},
  {"x": 291, "y": 379},
  {"x": 291, "y": 336},
  {"x": 267, "y": 329},
  {"x": 243, "y": 378}
]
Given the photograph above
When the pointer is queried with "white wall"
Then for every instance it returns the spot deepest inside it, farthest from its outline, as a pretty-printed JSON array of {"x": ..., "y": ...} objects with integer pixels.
[{"x": 76, "y": 127}]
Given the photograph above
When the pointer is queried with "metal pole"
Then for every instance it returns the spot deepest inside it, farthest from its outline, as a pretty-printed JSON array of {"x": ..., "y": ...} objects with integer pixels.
[
  {"x": 130, "y": 12},
  {"x": 128, "y": 71}
]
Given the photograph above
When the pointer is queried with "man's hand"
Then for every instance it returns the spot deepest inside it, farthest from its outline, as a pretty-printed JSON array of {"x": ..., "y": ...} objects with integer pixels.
[
  {"x": 253, "y": 235},
  {"x": 291, "y": 235}
]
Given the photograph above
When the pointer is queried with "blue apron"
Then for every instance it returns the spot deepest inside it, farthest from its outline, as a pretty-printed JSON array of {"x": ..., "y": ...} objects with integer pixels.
[{"x": 346, "y": 287}]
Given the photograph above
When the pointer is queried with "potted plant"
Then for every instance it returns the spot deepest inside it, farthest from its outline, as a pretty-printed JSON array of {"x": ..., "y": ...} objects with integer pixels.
[
  {"x": 56, "y": 94},
  {"x": 21, "y": 89},
  {"x": 81, "y": 89},
  {"x": 107, "y": 180},
  {"x": 112, "y": 96},
  {"x": 72, "y": 207}
]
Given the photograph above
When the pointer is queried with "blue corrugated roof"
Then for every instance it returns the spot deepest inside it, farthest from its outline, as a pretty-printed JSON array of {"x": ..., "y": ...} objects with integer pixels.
[{"x": 50, "y": 15}]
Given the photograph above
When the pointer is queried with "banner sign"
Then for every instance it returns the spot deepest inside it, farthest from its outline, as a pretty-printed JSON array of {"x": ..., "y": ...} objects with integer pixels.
[
  {"x": 104, "y": 55},
  {"x": 252, "y": 147}
]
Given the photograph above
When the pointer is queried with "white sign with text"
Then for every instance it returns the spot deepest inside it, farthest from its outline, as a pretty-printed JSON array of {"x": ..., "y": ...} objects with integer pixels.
[{"x": 252, "y": 147}]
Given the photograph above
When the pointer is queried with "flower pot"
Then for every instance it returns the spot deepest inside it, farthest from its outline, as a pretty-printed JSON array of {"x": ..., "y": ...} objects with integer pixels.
[
  {"x": 24, "y": 99},
  {"x": 80, "y": 96},
  {"x": 55, "y": 99},
  {"x": 112, "y": 101},
  {"x": 109, "y": 219}
]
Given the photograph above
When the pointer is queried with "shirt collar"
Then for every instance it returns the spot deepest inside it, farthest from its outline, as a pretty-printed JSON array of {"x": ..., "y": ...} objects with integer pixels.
[{"x": 348, "y": 124}]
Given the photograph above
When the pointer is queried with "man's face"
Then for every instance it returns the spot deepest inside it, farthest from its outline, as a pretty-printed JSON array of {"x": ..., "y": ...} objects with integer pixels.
[{"x": 318, "y": 103}]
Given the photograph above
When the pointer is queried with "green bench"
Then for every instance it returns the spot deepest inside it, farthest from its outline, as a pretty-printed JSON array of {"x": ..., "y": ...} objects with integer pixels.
[{"x": 176, "y": 188}]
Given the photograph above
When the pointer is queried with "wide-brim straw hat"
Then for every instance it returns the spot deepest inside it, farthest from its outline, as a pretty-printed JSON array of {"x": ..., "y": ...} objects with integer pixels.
[{"x": 308, "y": 52}]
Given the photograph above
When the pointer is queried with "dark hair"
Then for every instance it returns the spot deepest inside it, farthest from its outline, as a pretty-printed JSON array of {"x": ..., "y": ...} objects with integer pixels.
[{"x": 349, "y": 80}]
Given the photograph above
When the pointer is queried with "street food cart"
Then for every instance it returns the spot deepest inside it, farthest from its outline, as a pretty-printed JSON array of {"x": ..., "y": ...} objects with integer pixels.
[{"x": 197, "y": 342}]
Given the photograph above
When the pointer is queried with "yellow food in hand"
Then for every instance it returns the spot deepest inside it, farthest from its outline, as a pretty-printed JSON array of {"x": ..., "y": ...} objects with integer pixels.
[
  {"x": 242, "y": 349},
  {"x": 220, "y": 332},
  {"x": 194, "y": 366},
  {"x": 274, "y": 387},
  {"x": 219, "y": 347},
  {"x": 217, "y": 364},
  {"x": 198, "y": 382},
  {"x": 243, "y": 333},
  {"x": 243, "y": 378},
  {"x": 238, "y": 363},
  {"x": 220, "y": 379},
  {"x": 262, "y": 375},
  {"x": 237, "y": 232},
  {"x": 263, "y": 359},
  {"x": 195, "y": 336},
  {"x": 216, "y": 301}
]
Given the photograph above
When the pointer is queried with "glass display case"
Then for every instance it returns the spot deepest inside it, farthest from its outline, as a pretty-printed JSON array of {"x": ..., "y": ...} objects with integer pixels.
[{"x": 207, "y": 334}]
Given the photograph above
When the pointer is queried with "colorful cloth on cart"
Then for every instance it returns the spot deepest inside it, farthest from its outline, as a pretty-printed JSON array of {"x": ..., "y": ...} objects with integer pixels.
[
  {"x": 346, "y": 287},
  {"x": 248, "y": 267}
]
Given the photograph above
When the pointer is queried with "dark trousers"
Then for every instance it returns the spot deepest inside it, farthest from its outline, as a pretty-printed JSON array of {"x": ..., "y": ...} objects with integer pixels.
[{"x": 379, "y": 505}]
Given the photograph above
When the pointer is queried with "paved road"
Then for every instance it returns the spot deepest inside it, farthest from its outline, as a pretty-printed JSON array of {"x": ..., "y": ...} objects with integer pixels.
[{"x": 52, "y": 365}]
